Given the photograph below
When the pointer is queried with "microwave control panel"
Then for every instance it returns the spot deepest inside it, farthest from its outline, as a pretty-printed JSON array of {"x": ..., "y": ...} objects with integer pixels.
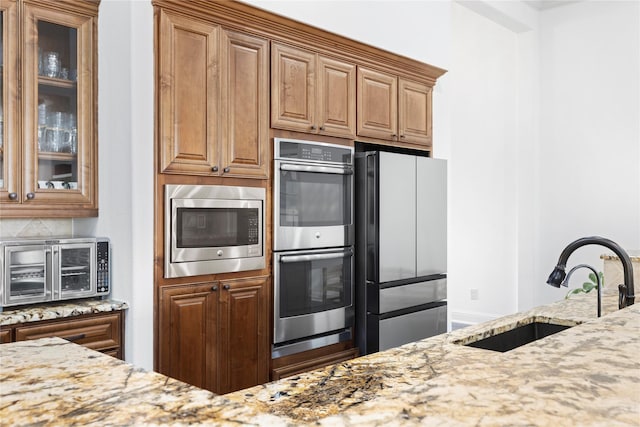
[{"x": 102, "y": 267}]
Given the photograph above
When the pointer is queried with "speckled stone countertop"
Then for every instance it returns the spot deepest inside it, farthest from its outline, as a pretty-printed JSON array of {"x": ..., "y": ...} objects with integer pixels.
[
  {"x": 47, "y": 311},
  {"x": 634, "y": 255},
  {"x": 588, "y": 375}
]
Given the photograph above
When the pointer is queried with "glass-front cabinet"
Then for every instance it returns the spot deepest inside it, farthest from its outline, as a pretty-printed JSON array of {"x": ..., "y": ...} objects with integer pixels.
[{"x": 50, "y": 162}]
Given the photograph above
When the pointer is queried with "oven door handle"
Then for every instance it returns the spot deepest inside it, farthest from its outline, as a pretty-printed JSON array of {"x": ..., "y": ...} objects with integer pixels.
[
  {"x": 285, "y": 259},
  {"x": 317, "y": 169}
]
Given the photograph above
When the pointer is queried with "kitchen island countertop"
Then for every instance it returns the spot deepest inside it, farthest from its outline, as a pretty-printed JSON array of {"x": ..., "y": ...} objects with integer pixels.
[{"x": 586, "y": 375}]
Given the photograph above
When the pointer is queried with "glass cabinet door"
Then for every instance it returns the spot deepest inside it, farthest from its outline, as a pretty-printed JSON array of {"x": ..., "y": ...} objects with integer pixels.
[{"x": 59, "y": 111}]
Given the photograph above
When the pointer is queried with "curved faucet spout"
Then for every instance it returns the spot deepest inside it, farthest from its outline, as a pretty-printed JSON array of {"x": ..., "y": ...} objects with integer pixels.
[{"x": 626, "y": 290}]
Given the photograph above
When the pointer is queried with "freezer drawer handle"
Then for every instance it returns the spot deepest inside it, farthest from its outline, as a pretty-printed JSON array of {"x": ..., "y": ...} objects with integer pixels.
[
  {"x": 318, "y": 169},
  {"x": 302, "y": 258}
]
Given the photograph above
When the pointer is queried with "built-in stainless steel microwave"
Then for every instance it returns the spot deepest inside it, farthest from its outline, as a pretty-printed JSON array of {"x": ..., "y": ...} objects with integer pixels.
[
  {"x": 37, "y": 270},
  {"x": 213, "y": 229}
]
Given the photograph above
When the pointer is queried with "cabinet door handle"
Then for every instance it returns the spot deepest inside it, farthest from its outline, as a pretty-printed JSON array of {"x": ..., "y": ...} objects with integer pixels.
[
  {"x": 13, "y": 196},
  {"x": 214, "y": 288},
  {"x": 402, "y": 136},
  {"x": 226, "y": 287},
  {"x": 321, "y": 127},
  {"x": 393, "y": 135},
  {"x": 313, "y": 127},
  {"x": 226, "y": 170},
  {"x": 74, "y": 338},
  {"x": 31, "y": 196},
  {"x": 214, "y": 169}
]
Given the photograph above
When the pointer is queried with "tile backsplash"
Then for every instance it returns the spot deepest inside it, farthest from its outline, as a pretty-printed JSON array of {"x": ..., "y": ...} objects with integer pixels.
[{"x": 35, "y": 227}]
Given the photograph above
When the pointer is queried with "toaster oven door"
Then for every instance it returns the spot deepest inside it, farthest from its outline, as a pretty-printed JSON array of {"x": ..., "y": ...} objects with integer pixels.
[
  {"x": 74, "y": 270},
  {"x": 27, "y": 274}
]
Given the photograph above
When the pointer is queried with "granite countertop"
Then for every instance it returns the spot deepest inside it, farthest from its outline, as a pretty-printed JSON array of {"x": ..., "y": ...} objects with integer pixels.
[
  {"x": 586, "y": 375},
  {"x": 634, "y": 255},
  {"x": 57, "y": 310}
]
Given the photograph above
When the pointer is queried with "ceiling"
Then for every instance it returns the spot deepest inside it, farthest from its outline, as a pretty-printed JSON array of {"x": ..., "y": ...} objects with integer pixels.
[{"x": 548, "y": 4}]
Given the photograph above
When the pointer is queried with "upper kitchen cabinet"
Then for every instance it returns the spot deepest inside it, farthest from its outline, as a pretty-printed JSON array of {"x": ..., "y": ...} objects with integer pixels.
[
  {"x": 212, "y": 99},
  {"x": 393, "y": 108},
  {"x": 49, "y": 153},
  {"x": 312, "y": 93}
]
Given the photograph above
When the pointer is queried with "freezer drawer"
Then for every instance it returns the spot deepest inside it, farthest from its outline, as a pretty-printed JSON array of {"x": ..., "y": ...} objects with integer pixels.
[
  {"x": 408, "y": 295},
  {"x": 388, "y": 332}
]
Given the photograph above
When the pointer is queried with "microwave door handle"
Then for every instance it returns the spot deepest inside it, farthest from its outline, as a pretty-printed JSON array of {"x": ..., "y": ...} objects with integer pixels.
[
  {"x": 285, "y": 259},
  {"x": 316, "y": 169}
]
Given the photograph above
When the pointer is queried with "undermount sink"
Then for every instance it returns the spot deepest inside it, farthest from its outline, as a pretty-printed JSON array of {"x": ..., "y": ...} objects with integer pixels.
[{"x": 517, "y": 337}]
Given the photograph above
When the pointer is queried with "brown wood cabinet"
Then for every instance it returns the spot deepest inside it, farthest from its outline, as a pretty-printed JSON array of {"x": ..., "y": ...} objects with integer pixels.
[
  {"x": 188, "y": 334},
  {"x": 48, "y": 159},
  {"x": 312, "y": 93},
  {"x": 212, "y": 99},
  {"x": 102, "y": 332},
  {"x": 393, "y": 108},
  {"x": 215, "y": 335}
]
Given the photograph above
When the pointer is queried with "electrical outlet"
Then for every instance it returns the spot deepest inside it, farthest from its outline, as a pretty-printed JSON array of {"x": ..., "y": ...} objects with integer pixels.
[{"x": 473, "y": 294}]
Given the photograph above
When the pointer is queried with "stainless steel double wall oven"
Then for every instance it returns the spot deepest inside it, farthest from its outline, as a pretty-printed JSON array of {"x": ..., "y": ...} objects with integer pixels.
[{"x": 313, "y": 244}]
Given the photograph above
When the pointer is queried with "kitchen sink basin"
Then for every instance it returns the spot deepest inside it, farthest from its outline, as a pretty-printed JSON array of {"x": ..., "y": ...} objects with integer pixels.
[{"x": 517, "y": 337}]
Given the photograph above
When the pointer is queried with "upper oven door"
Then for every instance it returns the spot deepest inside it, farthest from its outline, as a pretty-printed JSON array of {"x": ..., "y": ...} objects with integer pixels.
[
  {"x": 210, "y": 229},
  {"x": 313, "y": 206}
]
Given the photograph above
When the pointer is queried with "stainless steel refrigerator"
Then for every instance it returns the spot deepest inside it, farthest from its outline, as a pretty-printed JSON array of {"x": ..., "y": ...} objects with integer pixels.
[{"x": 401, "y": 249}]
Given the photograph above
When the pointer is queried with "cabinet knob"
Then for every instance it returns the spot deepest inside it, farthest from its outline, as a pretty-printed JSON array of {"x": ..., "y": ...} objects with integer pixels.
[
  {"x": 214, "y": 169},
  {"x": 13, "y": 196},
  {"x": 393, "y": 135},
  {"x": 321, "y": 127},
  {"x": 402, "y": 136},
  {"x": 214, "y": 288},
  {"x": 31, "y": 196},
  {"x": 226, "y": 287},
  {"x": 313, "y": 127},
  {"x": 226, "y": 170}
]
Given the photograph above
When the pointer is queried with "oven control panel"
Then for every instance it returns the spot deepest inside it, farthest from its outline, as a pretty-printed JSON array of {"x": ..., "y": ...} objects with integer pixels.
[{"x": 313, "y": 151}]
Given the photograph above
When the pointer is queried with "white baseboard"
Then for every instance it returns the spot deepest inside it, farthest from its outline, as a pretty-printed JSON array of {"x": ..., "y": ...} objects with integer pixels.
[{"x": 460, "y": 319}]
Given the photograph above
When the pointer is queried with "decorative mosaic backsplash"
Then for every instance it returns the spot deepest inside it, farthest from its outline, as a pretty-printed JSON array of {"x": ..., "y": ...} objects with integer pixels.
[{"x": 35, "y": 227}]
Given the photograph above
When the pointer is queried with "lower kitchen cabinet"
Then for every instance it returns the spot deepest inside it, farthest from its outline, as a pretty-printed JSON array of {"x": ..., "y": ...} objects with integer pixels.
[
  {"x": 103, "y": 332},
  {"x": 215, "y": 335}
]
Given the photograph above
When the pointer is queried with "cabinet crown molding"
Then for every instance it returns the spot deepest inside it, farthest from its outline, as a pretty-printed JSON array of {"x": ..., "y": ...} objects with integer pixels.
[{"x": 247, "y": 18}]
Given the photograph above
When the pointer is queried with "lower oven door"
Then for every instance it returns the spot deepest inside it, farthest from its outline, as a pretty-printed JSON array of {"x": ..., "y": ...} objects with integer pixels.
[{"x": 313, "y": 293}]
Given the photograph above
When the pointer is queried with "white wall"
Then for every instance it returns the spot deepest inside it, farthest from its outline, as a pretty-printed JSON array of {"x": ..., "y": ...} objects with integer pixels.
[
  {"x": 126, "y": 174},
  {"x": 590, "y": 131},
  {"x": 482, "y": 184}
]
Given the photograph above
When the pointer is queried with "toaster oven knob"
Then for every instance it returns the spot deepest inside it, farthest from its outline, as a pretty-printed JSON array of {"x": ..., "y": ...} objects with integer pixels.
[{"x": 219, "y": 252}]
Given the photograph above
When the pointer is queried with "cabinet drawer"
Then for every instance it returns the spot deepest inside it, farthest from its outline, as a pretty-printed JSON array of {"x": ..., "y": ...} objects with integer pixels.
[
  {"x": 98, "y": 333},
  {"x": 5, "y": 336}
]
